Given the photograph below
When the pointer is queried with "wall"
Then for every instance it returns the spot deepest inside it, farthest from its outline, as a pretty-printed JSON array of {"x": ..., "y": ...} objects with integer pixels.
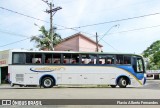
[
  {"x": 71, "y": 44},
  {"x": 87, "y": 46},
  {"x": 77, "y": 43}
]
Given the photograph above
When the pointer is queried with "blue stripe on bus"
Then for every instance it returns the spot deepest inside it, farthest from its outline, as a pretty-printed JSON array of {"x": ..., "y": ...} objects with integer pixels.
[{"x": 139, "y": 76}]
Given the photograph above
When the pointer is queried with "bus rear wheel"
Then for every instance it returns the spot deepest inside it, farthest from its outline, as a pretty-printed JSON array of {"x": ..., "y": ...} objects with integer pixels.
[
  {"x": 122, "y": 83},
  {"x": 47, "y": 82}
]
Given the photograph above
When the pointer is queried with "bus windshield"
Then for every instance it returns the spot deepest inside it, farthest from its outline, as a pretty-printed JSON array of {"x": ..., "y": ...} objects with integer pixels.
[{"x": 138, "y": 65}]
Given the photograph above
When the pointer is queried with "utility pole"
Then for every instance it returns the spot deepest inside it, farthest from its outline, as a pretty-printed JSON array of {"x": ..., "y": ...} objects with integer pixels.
[
  {"x": 96, "y": 42},
  {"x": 51, "y": 25},
  {"x": 51, "y": 12}
]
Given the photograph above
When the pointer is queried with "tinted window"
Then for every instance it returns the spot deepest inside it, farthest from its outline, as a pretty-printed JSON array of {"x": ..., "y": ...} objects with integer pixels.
[
  {"x": 70, "y": 58},
  {"x": 110, "y": 59},
  {"x": 18, "y": 58},
  {"x": 56, "y": 58},
  {"x": 67, "y": 59},
  {"x": 102, "y": 59},
  {"x": 48, "y": 58},
  {"x": 89, "y": 59},
  {"x": 106, "y": 59},
  {"x": 119, "y": 59},
  {"x": 29, "y": 57},
  {"x": 33, "y": 58},
  {"x": 127, "y": 60},
  {"x": 75, "y": 59}
]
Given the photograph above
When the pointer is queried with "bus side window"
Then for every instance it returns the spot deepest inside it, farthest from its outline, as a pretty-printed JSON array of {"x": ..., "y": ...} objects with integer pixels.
[
  {"x": 18, "y": 58},
  {"x": 37, "y": 58},
  {"x": 110, "y": 59},
  {"x": 67, "y": 58},
  {"x": 56, "y": 59},
  {"x": 89, "y": 59},
  {"x": 106, "y": 59},
  {"x": 48, "y": 58},
  {"x": 119, "y": 59},
  {"x": 84, "y": 59},
  {"x": 127, "y": 60},
  {"x": 100, "y": 62},
  {"x": 33, "y": 58},
  {"x": 75, "y": 59},
  {"x": 29, "y": 57},
  {"x": 93, "y": 59},
  {"x": 102, "y": 59}
]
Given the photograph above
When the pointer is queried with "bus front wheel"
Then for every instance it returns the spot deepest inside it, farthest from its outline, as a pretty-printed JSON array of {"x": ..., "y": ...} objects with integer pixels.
[
  {"x": 47, "y": 82},
  {"x": 122, "y": 83}
]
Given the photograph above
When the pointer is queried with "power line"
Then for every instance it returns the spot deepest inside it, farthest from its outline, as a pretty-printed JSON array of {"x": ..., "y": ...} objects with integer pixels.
[
  {"x": 136, "y": 17},
  {"x": 94, "y": 36},
  {"x": 24, "y": 14},
  {"x": 20, "y": 35},
  {"x": 138, "y": 29},
  {"x": 68, "y": 45},
  {"x": 110, "y": 45},
  {"x": 74, "y": 28},
  {"x": 150, "y": 27},
  {"x": 15, "y": 42},
  {"x": 43, "y": 20},
  {"x": 11, "y": 33},
  {"x": 135, "y": 29},
  {"x": 32, "y": 18}
]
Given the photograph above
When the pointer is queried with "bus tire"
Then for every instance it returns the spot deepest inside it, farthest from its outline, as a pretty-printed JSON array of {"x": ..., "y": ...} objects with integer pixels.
[
  {"x": 47, "y": 82},
  {"x": 113, "y": 86},
  {"x": 122, "y": 83}
]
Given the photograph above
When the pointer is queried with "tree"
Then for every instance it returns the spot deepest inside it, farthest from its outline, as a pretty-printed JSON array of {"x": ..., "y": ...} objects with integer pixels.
[
  {"x": 43, "y": 41},
  {"x": 153, "y": 53},
  {"x": 154, "y": 47}
]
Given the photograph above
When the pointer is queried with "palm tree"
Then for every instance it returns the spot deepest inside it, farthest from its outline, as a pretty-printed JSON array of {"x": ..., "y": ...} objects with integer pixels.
[{"x": 44, "y": 41}]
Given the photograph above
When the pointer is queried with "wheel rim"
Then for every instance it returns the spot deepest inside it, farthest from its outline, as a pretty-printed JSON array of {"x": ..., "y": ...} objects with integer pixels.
[
  {"x": 124, "y": 82},
  {"x": 47, "y": 82}
]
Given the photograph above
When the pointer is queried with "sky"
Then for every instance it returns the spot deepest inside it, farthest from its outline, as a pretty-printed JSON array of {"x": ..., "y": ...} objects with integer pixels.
[{"x": 138, "y": 22}]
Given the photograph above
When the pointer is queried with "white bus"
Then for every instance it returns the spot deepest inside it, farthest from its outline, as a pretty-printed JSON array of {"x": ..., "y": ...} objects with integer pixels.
[{"x": 51, "y": 68}]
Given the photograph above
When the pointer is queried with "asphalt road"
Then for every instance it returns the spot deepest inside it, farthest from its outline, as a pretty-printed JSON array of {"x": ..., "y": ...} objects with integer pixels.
[
  {"x": 152, "y": 84},
  {"x": 150, "y": 91}
]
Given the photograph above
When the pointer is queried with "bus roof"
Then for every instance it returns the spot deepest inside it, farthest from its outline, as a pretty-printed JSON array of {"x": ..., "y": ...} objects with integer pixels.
[{"x": 31, "y": 51}]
